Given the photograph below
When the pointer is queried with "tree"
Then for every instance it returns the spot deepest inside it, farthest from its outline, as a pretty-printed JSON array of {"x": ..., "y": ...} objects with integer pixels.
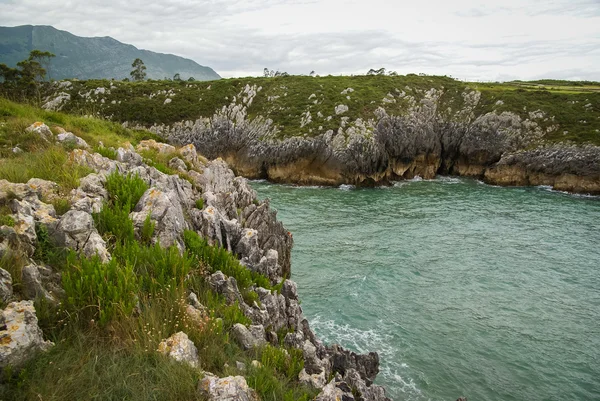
[
  {"x": 271, "y": 73},
  {"x": 139, "y": 70},
  {"x": 25, "y": 80},
  {"x": 191, "y": 79},
  {"x": 177, "y": 77}
]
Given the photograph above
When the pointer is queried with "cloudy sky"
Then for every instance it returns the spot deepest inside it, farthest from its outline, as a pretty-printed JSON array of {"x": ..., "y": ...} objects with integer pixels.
[{"x": 474, "y": 40}]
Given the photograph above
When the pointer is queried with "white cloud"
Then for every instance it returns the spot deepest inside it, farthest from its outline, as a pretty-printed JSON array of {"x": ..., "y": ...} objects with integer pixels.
[{"x": 466, "y": 39}]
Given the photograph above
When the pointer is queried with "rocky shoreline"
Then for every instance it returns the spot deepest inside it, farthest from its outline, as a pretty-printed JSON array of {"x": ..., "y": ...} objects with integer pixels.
[
  {"x": 499, "y": 148},
  {"x": 231, "y": 217}
]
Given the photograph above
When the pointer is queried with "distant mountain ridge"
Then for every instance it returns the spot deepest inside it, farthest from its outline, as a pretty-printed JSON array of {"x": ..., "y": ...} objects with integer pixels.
[{"x": 92, "y": 58}]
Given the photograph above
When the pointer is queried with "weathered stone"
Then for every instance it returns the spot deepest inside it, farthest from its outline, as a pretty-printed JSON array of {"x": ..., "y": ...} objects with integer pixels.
[
  {"x": 76, "y": 230},
  {"x": 129, "y": 156},
  {"x": 316, "y": 380},
  {"x": 90, "y": 195},
  {"x": 241, "y": 366},
  {"x": 336, "y": 390},
  {"x": 180, "y": 348},
  {"x": 95, "y": 161},
  {"x": 6, "y": 290},
  {"x": 151, "y": 144},
  {"x": 70, "y": 138},
  {"x": 165, "y": 210},
  {"x": 367, "y": 393},
  {"x": 249, "y": 338},
  {"x": 32, "y": 284},
  {"x": 226, "y": 286},
  {"x": 44, "y": 189},
  {"x": 177, "y": 164},
  {"x": 189, "y": 154},
  {"x": 41, "y": 129},
  {"x": 20, "y": 336},
  {"x": 231, "y": 388}
]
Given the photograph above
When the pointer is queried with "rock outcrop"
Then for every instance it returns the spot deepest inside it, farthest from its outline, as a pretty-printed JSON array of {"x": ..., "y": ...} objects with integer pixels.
[
  {"x": 232, "y": 388},
  {"x": 180, "y": 348},
  {"x": 20, "y": 336}
]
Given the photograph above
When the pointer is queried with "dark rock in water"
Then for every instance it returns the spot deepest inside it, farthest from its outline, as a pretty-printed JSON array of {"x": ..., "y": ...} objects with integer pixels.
[{"x": 367, "y": 365}]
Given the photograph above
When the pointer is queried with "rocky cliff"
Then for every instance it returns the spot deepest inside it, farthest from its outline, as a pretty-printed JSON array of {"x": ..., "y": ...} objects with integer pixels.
[{"x": 207, "y": 201}]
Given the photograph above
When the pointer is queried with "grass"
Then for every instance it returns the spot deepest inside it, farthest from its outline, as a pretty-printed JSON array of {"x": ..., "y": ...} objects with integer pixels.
[
  {"x": 90, "y": 366},
  {"x": 51, "y": 164}
]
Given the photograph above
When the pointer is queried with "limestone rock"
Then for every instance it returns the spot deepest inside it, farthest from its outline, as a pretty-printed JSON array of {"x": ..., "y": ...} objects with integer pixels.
[
  {"x": 177, "y": 164},
  {"x": 316, "y": 380},
  {"x": 95, "y": 161},
  {"x": 226, "y": 286},
  {"x": 129, "y": 156},
  {"x": 76, "y": 230},
  {"x": 231, "y": 388},
  {"x": 41, "y": 129},
  {"x": 70, "y": 138},
  {"x": 41, "y": 282},
  {"x": 6, "y": 290},
  {"x": 44, "y": 189},
  {"x": 336, "y": 390},
  {"x": 180, "y": 348},
  {"x": 151, "y": 144},
  {"x": 90, "y": 195},
  {"x": 166, "y": 211},
  {"x": 20, "y": 336},
  {"x": 190, "y": 155},
  {"x": 249, "y": 338},
  {"x": 368, "y": 393}
]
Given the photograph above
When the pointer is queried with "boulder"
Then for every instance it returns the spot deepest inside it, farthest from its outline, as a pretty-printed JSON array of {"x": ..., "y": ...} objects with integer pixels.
[
  {"x": 336, "y": 390},
  {"x": 72, "y": 139},
  {"x": 231, "y": 388},
  {"x": 90, "y": 195},
  {"x": 76, "y": 230},
  {"x": 129, "y": 156},
  {"x": 180, "y": 348},
  {"x": 20, "y": 336},
  {"x": 47, "y": 190},
  {"x": 41, "y": 129},
  {"x": 166, "y": 211},
  {"x": 249, "y": 338},
  {"x": 226, "y": 286}
]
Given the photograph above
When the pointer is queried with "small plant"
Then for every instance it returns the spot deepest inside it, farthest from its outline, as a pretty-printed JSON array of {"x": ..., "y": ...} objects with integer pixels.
[
  {"x": 61, "y": 206},
  {"x": 147, "y": 231},
  {"x": 200, "y": 203},
  {"x": 6, "y": 220}
]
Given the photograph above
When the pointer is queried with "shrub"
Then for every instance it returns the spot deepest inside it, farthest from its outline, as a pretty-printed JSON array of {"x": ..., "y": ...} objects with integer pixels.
[
  {"x": 99, "y": 290},
  {"x": 147, "y": 231},
  {"x": 200, "y": 203},
  {"x": 6, "y": 220},
  {"x": 125, "y": 191}
]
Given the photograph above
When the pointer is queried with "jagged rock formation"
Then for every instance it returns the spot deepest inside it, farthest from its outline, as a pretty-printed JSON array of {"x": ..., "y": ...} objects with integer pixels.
[
  {"x": 424, "y": 141},
  {"x": 231, "y": 216}
]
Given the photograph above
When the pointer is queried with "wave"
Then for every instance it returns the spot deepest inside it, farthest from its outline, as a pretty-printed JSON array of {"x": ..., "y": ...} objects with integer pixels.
[{"x": 346, "y": 187}]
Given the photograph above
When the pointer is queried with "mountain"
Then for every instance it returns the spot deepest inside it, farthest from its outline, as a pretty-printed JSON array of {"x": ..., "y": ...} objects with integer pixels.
[{"x": 92, "y": 58}]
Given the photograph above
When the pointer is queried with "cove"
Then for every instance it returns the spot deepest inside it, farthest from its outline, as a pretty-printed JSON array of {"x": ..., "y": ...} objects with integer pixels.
[{"x": 463, "y": 289}]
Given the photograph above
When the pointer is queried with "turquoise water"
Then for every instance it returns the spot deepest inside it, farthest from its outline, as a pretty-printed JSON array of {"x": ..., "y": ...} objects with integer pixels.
[{"x": 464, "y": 289}]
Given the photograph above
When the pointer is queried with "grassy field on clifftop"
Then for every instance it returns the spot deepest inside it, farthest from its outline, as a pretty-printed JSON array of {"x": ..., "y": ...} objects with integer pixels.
[{"x": 306, "y": 106}]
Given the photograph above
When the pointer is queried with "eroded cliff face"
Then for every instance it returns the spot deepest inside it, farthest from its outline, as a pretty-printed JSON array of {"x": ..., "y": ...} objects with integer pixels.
[{"x": 500, "y": 147}]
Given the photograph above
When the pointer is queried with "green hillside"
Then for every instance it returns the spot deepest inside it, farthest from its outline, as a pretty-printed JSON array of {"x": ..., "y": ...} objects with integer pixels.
[
  {"x": 92, "y": 58},
  {"x": 306, "y": 106}
]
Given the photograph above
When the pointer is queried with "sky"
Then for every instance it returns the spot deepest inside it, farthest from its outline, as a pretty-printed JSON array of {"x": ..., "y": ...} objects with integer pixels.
[{"x": 471, "y": 40}]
